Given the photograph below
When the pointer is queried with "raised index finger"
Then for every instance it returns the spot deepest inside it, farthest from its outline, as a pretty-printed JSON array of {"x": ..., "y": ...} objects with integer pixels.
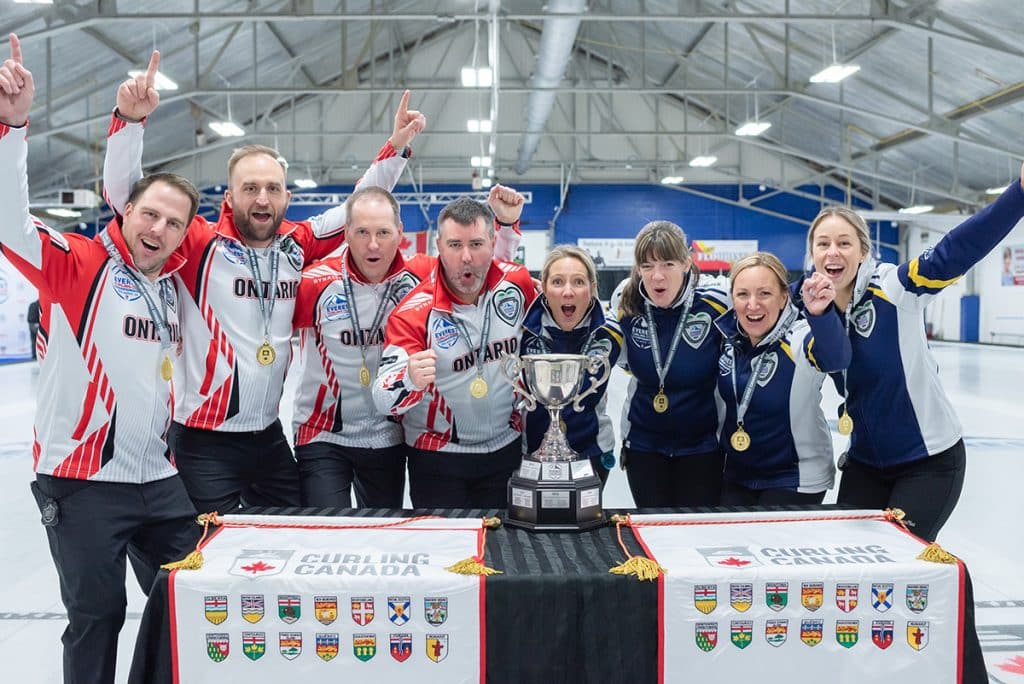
[
  {"x": 403, "y": 106},
  {"x": 15, "y": 48},
  {"x": 154, "y": 64}
]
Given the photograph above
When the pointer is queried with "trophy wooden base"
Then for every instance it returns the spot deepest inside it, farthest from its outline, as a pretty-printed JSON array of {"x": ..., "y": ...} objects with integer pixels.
[{"x": 555, "y": 496}]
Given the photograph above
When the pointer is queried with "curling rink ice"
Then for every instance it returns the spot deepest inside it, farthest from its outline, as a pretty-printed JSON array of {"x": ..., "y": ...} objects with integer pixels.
[{"x": 984, "y": 382}]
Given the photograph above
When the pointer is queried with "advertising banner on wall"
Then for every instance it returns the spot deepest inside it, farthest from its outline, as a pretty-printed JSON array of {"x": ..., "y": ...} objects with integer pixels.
[
  {"x": 710, "y": 255},
  {"x": 609, "y": 252},
  {"x": 16, "y": 293},
  {"x": 1013, "y": 265}
]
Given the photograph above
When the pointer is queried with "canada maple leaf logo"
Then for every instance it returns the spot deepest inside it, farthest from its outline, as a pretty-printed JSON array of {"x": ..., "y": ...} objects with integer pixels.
[
  {"x": 1014, "y": 665},
  {"x": 734, "y": 562},
  {"x": 257, "y": 567}
]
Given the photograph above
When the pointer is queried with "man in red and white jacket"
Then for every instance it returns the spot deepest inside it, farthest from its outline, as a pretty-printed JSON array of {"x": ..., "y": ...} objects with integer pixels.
[
  {"x": 341, "y": 440},
  {"x": 241, "y": 278},
  {"x": 441, "y": 367},
  {"x": 109, "y": 334}
]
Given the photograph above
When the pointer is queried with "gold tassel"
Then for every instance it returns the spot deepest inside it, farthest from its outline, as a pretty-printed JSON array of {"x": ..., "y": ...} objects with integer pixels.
[
  {"x": 193, "y": 561},
  {"x": 471, "y": 566},
  {"x": 933, "y": 553},
  {"x": 645, "y": 569}
]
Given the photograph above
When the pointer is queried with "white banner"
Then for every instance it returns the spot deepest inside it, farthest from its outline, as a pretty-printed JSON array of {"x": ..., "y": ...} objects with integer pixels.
[
  {"x": 802, "y": 601},
  {"x": 609, "y": 252},
  {"x": 294, "y": 604}
]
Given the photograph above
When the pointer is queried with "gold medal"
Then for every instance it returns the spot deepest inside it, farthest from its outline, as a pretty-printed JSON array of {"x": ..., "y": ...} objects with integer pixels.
[
  {"x": 265, "y": 354},
  {"x": 661, "y": 401},
  {"x": 166, "y": 368},
  {"x": 845, "y": 424},
  {"x": 364, "y": 376},
  {"x": 740, "y": 440},
  {"x": 478, "y": 388}
]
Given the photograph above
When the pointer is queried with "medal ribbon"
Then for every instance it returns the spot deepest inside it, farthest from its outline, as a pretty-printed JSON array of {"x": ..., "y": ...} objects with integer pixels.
[
  {"x": 378, "y": 318},
  {"x": 159, "y": 315},
  {"x": 266, "y": 304},
  {"x": 659, "y": 368},
  {"x": 484, "y": 334},
  {"x": 748, "y": 392}
]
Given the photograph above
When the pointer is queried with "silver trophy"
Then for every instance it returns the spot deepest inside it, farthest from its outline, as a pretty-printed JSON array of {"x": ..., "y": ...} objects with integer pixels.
[{"x": 554, "y": 488}]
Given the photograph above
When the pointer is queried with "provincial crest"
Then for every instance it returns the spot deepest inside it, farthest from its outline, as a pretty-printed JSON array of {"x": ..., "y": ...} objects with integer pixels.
[
  {"x": 218, "y": 646},
  {"x": 881, "y": 633},
  {"x": 847, "y": 632},
  {"x": 364, "y": 646},
  {"x": 917, "y": 597},
  {"x": 705, "y": 597},
  {"x": 325, "y": 609},
  {"x": 741, "y": 596},
  {"x": 435, "y": 610},
  {"x": 401, "y": 647},
  {"x": 846, "y": 596},
  {"x": 362, "y": 610},
  {"x": 508, "y": 304},
  {"x": 776, "y": 632},
  {"x": 252, "y": 607},
  {"x": 706, "y": 635},
  {"x": 402, "y": 285},
  {"x": 812, "y": 595},
  {"x": 289, "y": 608},
  {"x": 917, "y": 634},
  {"x": 398, "y": 609},
  {"x": 437, "y": 647},
  {"x": 216, "y": 608},
  {"x": 776, "y": 595},
  {"x": 327, "y": 645},
  {"x": 881, "y": 596},
  {"x": 863, "y": 319},
  {"x": 254, "y": 644},
  {"x": 769, "y": 363},
  {"x": 811, "y": 631},
  {"x": 741, "y": 632},
  {"x": 292, "y": 252},
  {"x": 696, "y": 329},
  {"x": 290, "y": 644}
]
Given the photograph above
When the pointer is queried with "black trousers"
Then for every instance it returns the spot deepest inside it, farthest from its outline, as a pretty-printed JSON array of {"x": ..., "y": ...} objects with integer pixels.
[
  {"x": 95, "y": 526},
  {"x": 477, "y": 480},
  {"x": 225, "y": 470},
  {"x": 927, "y": 490},
  {"x": 660, "y": 481},
  {"x": 328, "y": 473},
  {"x": 734, "y": 494}
]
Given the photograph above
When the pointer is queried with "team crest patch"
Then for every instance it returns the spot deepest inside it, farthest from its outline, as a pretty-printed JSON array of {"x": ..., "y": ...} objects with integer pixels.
[
  {"x": 736, "y": 557},
  {"x": 289, "y": 608},
  {"x": 863, "y": 319},
  {"x": 881, "y": 633},
  {"x": 508, "y": 304},
  {"x": 216, "y": 608},
  {"x": 846, "y": 596},
  {"x": 917, "y": 634},
  {"x": 917, "y": 597},
  {"x": 768, "y": 367},
  {"x": 335, "y": 308},
  {"x": 124, "y": 284},
  {"x": 218, "y": 647},
  {"x": 327, "y": 645},
  {"x": 233, "y": 251},
  {"x": 776, "y": 631},
  {"x": 292, "y": 252},
  {"x": 741, "y": 596},
  {"x": 812, "y": 595},
  {"x": 364, "y": 646},
  {"x": 741, "y": 632},
  {"x": 252, "y": 607},
  {"x": 706, "y": 635},
  {"x": 435, "y": 610},
  {"x": 437, "y": 647},
  {"x": 257, "y": 563},
  {"x": 705, "y": 597},
  {"x": 290, "y": 644},
  {"x": 776, "y": 595},
  {"x": 847, "y": 632},
  {"x": 640, "y": 333},
  {"x": 881, "y": 596},
  {"x": 696, "y": 330},
  {"x": 811, "y": 631},
  {"x": 325, "y": 609},
  {"x": 401, "y": 647},
  {"x": 398, "y": 609},
  {"x": 726, "y": 360},
  {"x": 254, "y": 644},
  {"x": 362, "y": 610},
  {"x": 402, "y": 286},
  {"x": 446, "y": 334}
]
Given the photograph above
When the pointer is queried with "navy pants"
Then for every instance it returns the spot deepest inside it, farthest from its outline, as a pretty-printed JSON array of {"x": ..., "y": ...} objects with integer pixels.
[
  {"x": 660, "y": 481},
  {"x": 438, "y": 479},
  {"x": 737, "y": 495},
  {"x": 329, "y": 472},
  {"x": 95, "y": 526}
]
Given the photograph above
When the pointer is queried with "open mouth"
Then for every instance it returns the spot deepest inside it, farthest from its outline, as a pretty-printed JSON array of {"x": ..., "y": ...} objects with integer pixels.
[
  {"x": 568, "y": 310},
  {"x": 261, "y": 216},
  {"x": 755, "y": 318},
  {"x": 834, "y": 270},
  {"x": 150, "y": 247}
]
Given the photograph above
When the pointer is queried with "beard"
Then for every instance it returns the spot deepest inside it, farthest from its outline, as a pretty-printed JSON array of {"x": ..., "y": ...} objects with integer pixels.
[{"x": 260, "y": 233}]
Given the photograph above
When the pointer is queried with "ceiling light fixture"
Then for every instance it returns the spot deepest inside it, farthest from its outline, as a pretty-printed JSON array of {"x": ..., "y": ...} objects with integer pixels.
[
  {"x": 227, "y": 129},
  {"x": 479, "y": 125},
  {"x": 835, "y": 73},
  {"x": 479, "y": 162},
  {"x": 671, "y": 180},
  {"x": 305, "y": 183},
  {"x": 753, "y": 128},
  {"x": 61, "y": 212},
  {"x": 477, "y": 77},
  {"x": 917, "y": 209},
  {"x": 703, "y": 161}
]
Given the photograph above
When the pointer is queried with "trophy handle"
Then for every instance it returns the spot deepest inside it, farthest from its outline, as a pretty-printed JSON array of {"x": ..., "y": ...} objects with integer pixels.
[
  {"x": 594, "y": 364},
  {"x": 510, "y": 368}
]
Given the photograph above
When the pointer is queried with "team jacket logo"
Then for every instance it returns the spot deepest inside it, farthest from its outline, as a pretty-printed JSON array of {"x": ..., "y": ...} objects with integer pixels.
[
  {"x": 327, "y": 645},
  {"x": 881, "y": 633},
  {"x": 508, "y": 304},
  {"x": 446, "y": 334},
  {"x": 254, "y": 564},
  {"x": 881, "y": 596},
  {"x": 437, "y": 647},
  {"x": 533, "y": 346},
  {"x": 124, "y": 284},
  {"x": 776, "y": 631},
  {"x": 335, "y": 308},
  {"x": 736, "y": 557},
  {"x": 696, "y": 330},
  {"x": 364, "y": 646},
  {"x": 706, "y": 635},
  {"x": 812, "y": 595},
  {"x": 290, "y": 644},
  {"x": 741, "y": 632},
  {"x": 218, "y": 647},
  {"x": 640, "y": 333},
  {"x": 418, "y": 301},
  {"x": 435, "y": 610},
  {"x": 776, "y": 595},
  {"x": 401, "y": 647},
  {"x": 846, "y": 596},
  {"x": 705, "y": 597},
  {"x": 233, "y": 251},
  {"x": 741, "y": 596},
  {"x": 325, "y": 609},
  {"x": 917, "y": 635},
  {"x": 292, "y": 252},
  {"x": 917, "y": 597},
  {"x": 403, "y": 285},
  {"x": 216, "y": 608},
  {"x": 362, "y": 610},
  {"x": 864, "y": 319},
  {"x": 398, "y": 609},
  {"x": 254, "y": 644},
  {"x": 847, "y": 632},
  {"x": 768, "y": 368},
  {"x": 252, "y": 607},
  {"x": 811, "y": 631},
  {"x": 726, "y": 360},
  {"x": 289, "y": 608}
]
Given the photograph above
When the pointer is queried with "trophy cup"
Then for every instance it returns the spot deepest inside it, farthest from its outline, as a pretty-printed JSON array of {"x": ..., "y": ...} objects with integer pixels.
[{"x": 554, "y": 488}]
